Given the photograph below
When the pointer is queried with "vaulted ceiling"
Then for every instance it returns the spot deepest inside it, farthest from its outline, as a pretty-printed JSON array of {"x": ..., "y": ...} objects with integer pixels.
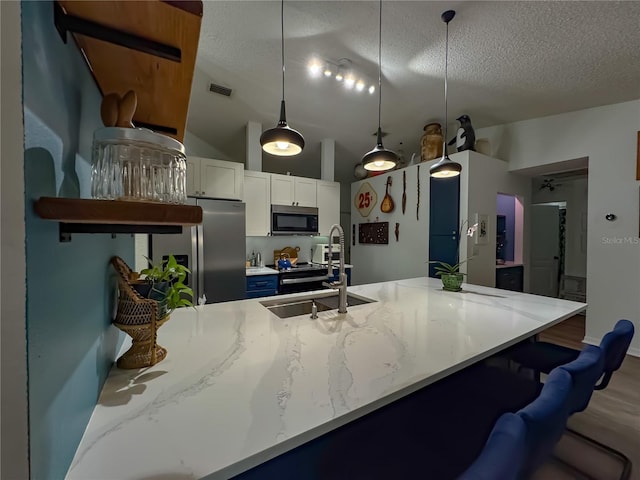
[{"x": 508, "y": 61}]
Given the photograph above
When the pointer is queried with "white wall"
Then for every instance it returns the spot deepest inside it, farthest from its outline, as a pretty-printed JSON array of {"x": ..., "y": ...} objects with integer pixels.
[
  {"x": 196, "y": 147},
  {"x": 403, "y": 259},
  {"x": 575, "y": 193},
  {"x": 607, "y": 136},
  {"x": 14, "y": 460},
  {"x": 481, "y": 180}
]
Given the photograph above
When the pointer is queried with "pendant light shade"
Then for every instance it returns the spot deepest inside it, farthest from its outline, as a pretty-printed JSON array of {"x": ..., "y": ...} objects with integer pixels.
[
  {"x": 380, "y": 159},
  {"x": 282, "y": 140},
  {"x": 446, "y": 167}
]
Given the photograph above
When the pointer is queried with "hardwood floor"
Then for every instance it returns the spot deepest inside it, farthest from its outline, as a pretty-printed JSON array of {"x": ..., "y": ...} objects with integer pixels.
[{"x": 613, "y": 416}]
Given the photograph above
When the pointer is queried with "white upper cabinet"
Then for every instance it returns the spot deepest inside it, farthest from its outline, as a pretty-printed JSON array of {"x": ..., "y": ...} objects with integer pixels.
[
  {"x": 328, "y": 195},
  {"x": 305, "y": 192},
  {"x": 257, "y": 197},
  {"x": 193, "y": 176},
  {"x": 290, "y": 190},
  {"x": 215, "y": 178},
  {"x": 282, "y": 189}
]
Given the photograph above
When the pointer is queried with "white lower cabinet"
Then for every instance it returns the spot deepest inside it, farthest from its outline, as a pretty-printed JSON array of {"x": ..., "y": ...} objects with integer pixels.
[
  {"x": 257, "y": 197},
  {"x": 211, "y": 178},
  {"x": 328, "y": 200}
]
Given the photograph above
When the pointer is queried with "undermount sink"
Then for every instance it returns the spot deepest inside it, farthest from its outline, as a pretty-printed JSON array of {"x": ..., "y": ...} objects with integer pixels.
[{"x": 303, "y": 305}]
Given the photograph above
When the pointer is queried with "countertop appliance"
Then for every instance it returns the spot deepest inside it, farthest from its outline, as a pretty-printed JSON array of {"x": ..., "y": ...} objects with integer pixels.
[
  {"x": 302, "y": 277},
  {"x": 321, "y": 253},
  {"x": 214, "y": 251},
  {"x": 293, "y": 220}
]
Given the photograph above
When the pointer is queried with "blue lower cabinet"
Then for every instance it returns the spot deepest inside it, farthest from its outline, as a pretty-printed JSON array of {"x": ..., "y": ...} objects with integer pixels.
[
  {"x": 336, "y": 273},
  {"x": 262, "y": 286},
  {"x": 510, "y": 278}
]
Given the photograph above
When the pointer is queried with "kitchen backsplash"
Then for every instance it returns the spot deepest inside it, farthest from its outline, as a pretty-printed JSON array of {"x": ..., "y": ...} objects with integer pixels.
[{"x": 266, "y": 246}]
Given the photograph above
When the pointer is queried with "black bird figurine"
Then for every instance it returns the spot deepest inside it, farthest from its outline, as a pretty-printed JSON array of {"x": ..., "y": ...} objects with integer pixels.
[{"x": 466, "y": 137}]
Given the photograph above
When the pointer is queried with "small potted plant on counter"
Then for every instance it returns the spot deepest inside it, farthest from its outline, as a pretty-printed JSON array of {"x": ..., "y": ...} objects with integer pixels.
[
  {"x": 164, "y": 282},
  {"x": 451, "y": 276},
  {"x": 145, "y": 301}
]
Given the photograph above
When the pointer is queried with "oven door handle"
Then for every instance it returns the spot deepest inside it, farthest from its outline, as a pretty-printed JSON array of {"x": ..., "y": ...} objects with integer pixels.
[{"x": 290, "y": 281}]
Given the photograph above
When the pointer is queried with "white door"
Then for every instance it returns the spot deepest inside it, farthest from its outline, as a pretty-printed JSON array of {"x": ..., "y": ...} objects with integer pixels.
[
  {"x": 257, "y": 197},
  {"x": 545, "y": 250},
  {"x": 305, "y": 192},
  {"x": 281, "y": 189},
  {"x": 328, "y": 195}
]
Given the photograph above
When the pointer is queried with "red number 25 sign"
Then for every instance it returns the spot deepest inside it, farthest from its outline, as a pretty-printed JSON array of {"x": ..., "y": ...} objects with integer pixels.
[{"x": 365, "y": 199}]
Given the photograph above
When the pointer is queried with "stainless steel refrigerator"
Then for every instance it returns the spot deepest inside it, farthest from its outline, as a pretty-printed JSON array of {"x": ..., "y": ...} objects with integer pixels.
[{"x": 214, "y": 251}]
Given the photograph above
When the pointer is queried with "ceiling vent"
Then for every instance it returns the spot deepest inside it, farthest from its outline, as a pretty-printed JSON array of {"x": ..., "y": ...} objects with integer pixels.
[{"x": 219, "y": 89}]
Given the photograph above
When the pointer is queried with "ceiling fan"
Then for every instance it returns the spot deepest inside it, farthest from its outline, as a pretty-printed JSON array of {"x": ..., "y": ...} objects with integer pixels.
[{"x": 549, "y": 183}]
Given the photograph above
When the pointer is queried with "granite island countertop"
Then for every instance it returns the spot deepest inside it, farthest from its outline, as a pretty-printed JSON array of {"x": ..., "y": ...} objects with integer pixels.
[{"x": 241, "y": 385}]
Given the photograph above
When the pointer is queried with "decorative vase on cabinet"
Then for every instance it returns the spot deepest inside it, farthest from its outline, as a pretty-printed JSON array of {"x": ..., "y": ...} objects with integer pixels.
[{"x": 431, "y": 142}]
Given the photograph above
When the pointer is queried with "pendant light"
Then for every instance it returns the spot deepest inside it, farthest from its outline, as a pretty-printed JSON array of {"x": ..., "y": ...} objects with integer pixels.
[
  {"x": 446, "y": 167},
  {"x": 282, "y": 140},
  {"x": 379, "y": 159}
]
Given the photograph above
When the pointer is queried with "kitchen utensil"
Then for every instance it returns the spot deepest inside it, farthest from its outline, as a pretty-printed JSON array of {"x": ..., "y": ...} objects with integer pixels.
[
  {"x": 418, "y": 201},
  {"x": 109, "y": 109},
  {"x": 284, "y": 263},
  {"x": 397, "y": 231},
  {"x": 387, "y": 204},
  {"x": 126, "y": 109},
  {"x": 404, "y": 191}
]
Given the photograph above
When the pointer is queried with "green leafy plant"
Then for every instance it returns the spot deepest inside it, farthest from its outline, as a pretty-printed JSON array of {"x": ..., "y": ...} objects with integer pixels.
[
  {"x": 445, "y": 268},
  {"x": 169, "y": 271}
]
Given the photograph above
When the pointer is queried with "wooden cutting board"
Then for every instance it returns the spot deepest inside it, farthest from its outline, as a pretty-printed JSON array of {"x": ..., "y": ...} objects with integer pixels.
[{"x": 292, "y": 252}]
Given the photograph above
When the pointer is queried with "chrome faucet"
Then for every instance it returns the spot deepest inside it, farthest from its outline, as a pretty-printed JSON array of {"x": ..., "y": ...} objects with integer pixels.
[{"x": 341, "y": 284}]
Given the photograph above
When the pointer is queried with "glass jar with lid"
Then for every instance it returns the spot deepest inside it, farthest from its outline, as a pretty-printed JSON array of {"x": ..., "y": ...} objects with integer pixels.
[{"x": 139, "y": 165}]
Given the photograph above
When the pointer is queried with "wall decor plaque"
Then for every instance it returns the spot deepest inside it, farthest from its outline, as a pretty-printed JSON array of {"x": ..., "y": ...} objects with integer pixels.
[
  {"x": 374, "y": 233},
  {"x": 365, "y": 199}
]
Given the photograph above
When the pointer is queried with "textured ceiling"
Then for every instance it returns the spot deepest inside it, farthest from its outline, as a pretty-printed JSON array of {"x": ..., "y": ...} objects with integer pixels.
[{"x": 508, "y": 61}]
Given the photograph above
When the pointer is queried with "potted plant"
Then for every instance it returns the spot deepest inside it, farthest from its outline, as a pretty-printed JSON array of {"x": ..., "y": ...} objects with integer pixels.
[
  {"x": 164, "y": 282},
  {"x": 451, "y": 276}
]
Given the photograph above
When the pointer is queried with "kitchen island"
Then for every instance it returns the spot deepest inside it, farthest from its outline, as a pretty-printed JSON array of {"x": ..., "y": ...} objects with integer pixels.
[{"x": 241, "y": 385}]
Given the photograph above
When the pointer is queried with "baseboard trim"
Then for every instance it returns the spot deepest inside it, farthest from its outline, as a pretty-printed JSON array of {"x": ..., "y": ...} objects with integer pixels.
[{"x": 633, "y": 351}]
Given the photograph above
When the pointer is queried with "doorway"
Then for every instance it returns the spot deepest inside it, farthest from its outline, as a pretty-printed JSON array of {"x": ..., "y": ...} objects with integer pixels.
[{"x": 559, "y": 235}]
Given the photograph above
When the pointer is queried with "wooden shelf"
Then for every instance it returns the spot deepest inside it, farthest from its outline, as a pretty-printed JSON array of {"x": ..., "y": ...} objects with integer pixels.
[
  {"x": 146, "y": 46},
  {"x": 78, "y": 215}
]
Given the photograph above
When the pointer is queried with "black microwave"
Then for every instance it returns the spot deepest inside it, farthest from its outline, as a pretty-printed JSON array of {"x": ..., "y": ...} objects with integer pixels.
[{"x": 292, "y": 220}]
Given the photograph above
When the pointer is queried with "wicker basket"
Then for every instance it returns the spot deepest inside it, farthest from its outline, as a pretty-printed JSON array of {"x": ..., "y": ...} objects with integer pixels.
[{"x": 138, "y": 317}]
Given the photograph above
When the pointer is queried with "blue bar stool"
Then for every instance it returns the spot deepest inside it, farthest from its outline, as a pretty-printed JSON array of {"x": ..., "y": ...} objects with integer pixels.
[
  {"x": 543, "y": 356},
  {"x": 503, "y": 455}
]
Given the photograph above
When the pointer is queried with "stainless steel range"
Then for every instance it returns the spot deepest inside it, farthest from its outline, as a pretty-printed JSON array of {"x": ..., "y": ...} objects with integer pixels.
[{"x": 302, "y": 277}]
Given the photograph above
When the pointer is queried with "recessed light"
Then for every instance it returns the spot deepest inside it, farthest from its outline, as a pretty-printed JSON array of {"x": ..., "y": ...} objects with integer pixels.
[
  {"x": 339, "y": 76},
  {"x": 372, "y": 89},
  {"x": 360, "y": 85}
]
